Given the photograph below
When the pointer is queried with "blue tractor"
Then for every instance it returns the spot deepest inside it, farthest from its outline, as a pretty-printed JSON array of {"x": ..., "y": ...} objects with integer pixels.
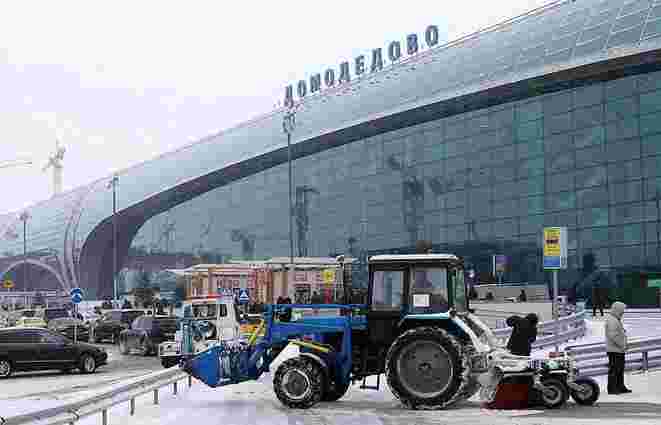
[{"x": 416, "y": 328}]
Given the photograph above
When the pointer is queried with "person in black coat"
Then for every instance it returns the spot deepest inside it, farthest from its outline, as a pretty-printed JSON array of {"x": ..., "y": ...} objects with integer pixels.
[{"x": 524, "y": 333}]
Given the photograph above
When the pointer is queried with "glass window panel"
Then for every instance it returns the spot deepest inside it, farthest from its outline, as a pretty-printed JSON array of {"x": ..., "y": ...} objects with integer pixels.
[
  {"x": 563, "y": 218},
  {"x": 650, "y": 102},
  {"x": 628, "y": 21},
  {"x": 529, "y": 130},
  {"x": 629, "y": 36},
  {"x": 504, "y": 228},
  {"x": 649, "y": 81},
  {"x": 560, "y": 201},
  {"x": 652, "y": 188},
  {"x": 626, "y": 256},
  {"x": 623, "y": 129},
  {"x": 651, "y": 230},
  {"x": 479, "y": 177},
  {"x": 531, "y": 167},
  {"x": 656, "y": 12},
  {"x": 623, "y": 150},
  {"x": 508, "y": 208},
  {"x": 594, "y": 237},
  {"x": 589, "y": 136},
  {"x": 560, "y": 182},
  {"x": 557, "y": 103},
  {"x": 588, "y": 117},
  {"x": 594, "y": 155},
  {"x": 456, "y": 234},
  {"x": 626, "y": 192},
  {"x": 650, "y": 124},
  {"x": 593, "y": 217},
  {"x": 589, "y": 95},
  {"x": 455, "y": 129},
  {"x": 593, "y": 176},
  {"x": 502, "y": 174},
  {"x": 388, "y": 290},
  {"x": 635, "y": 6},
  {"x": 529, "y": 111},
  {"x": 531, "y": 224},
  {"x": 596, "y": 196},
  {"x": 595, "y": 32},
  {"x": 627, "y": 235},
  {"x": 502, "y": 118},
  {"x": 558, "y": 57},
  {"x": 560, "y": 162},
  {"x": 607, "y": 12},
  {"x": 531, "y": 205},
  {"x": 589, "y": 47},
  {"x": 621, "y": 108},
  {"x": 530, "y": 148},
  {"x": 432, "y": 284},
  {"x": 505, "y": 153},
  {"x": 506, "y": 190},
  {"x": 532, "y": 186},
  {"x": 562, "y": 43},
  {"x": 652, "y": 28},
  {"x": 554, "y": 124},
  {"x": 627, "y": 170},
  {"x": 651, "y": 144},
  {"x": 652, "y": 166},
  {"x": 626, "y": 213}
]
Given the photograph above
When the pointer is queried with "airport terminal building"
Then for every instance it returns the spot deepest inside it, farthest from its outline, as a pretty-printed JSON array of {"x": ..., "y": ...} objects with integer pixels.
[{"x": 550, "y": 119}]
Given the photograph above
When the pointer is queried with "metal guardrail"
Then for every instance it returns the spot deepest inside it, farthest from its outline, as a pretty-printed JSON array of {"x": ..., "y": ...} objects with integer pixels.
[
  {"x": 100, "y": 403},
  {"x": 642, "y": 354},
  {"x": 568, "y": 328}
]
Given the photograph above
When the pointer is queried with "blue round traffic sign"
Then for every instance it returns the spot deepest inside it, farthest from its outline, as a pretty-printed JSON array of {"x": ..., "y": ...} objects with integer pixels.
[{"x": 76, "y": 298}]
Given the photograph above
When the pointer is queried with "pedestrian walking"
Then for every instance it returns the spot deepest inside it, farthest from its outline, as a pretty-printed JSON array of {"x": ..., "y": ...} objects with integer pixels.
[
  {"x": 598, "y": 300},
  {"x": 616, "y": 347}
]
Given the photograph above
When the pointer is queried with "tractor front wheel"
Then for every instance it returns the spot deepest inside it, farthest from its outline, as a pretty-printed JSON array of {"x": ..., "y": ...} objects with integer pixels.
[
  {"x": 427, "y": 368},
  {"x": 299, "y": 383}
]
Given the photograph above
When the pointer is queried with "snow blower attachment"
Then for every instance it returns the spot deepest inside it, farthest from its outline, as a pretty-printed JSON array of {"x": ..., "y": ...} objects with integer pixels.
[{"x": 416, "y": 329}]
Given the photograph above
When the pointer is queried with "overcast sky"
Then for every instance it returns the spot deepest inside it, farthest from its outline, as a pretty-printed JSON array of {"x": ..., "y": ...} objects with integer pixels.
[{"x": 121, "y": 82}]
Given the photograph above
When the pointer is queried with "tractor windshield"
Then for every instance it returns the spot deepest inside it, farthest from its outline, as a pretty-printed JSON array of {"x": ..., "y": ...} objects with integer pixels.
[
  {"x": 429, "y": 290},
  {"x": 460, "y": 299}
]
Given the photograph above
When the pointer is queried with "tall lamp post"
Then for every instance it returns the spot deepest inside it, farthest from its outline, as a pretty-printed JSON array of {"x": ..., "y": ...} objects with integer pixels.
[
  {"x": 288, "y": 126},
  {"x": 24, "y": 217},
  {"x": 113, "y": 184}
]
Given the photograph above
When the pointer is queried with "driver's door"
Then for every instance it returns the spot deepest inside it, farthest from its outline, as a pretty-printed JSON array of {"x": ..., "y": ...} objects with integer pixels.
[
  {"x": 55, "y": 350},
  {"x": 387, "y": 304}
]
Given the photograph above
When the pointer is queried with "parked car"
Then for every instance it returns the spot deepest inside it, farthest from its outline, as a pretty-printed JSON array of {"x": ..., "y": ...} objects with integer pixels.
[
  {"x": 68, "y": 325},
  {"x": 111, "y": 324},
  {"x": 146, "y": 333},
  {"x": 54, "y": 313},
  {"x": 13, "y": 317},
  {"x": 31, "y": 322},
  {"x": 27, "y": 349}
]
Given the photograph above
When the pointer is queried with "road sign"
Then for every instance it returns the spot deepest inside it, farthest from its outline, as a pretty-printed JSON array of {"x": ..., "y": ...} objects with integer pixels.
[
  {"x": 8, "y": 284},
  {"x": 243, "y": 296},
  {"x": 555, "y": 248},
  {"x": 329, "y": 276},
  {"x": 76, "y": 295}
]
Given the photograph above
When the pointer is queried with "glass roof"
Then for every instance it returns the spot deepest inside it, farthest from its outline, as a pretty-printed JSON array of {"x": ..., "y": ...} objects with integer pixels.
[{"x": 562, "y": 33}]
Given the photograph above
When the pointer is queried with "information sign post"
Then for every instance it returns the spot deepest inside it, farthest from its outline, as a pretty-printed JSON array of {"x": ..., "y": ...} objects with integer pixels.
[{"x": 555, "y": 258}]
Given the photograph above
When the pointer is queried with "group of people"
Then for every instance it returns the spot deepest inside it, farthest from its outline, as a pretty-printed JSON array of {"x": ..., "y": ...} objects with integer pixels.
[{"x": 524, "y": 334}]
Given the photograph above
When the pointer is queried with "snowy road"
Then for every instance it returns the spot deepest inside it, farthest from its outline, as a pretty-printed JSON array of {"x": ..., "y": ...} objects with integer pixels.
[{"x": 254, "y": 403}]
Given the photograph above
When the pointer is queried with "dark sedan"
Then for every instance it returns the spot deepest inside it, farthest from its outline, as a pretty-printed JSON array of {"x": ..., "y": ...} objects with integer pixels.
[
  {"x": 109, "y": 326},
  {"x": 67, "y": 326},
  {"x": 146, "y": 333},
  {"x": 29, "y": 349}
]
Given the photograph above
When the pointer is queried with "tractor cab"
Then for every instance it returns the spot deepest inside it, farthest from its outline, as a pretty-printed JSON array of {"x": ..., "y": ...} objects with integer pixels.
[{"x": 412, "y": 288}]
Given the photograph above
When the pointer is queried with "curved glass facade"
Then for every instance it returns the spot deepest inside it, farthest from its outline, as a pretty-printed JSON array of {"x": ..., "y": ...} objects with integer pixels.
[
  {"x": 474, "y": 184},
  {"x": 478, "y": 183}
]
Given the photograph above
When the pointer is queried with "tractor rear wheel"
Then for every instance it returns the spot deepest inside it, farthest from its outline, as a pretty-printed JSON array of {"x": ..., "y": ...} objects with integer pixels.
[
  {"x": 427, "y": 368},
  {"x": 299, "y": 383}
]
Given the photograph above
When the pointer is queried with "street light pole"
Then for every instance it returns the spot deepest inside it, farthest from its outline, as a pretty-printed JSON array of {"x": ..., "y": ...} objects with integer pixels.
[
  {"x": 24, "y": 218},
  {"x": 113, "y": 183},
  {"x": 288, "y": 125}
]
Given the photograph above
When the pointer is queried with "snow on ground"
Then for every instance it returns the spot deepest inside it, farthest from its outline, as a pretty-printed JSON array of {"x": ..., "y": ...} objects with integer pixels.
[{"x": 254, "y": 403}]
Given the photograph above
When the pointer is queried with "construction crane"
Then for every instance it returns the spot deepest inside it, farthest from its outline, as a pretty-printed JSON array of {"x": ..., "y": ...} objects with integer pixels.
[
  {"x": 55, "y": 161},
  {"x": 15, "y": 163}
]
